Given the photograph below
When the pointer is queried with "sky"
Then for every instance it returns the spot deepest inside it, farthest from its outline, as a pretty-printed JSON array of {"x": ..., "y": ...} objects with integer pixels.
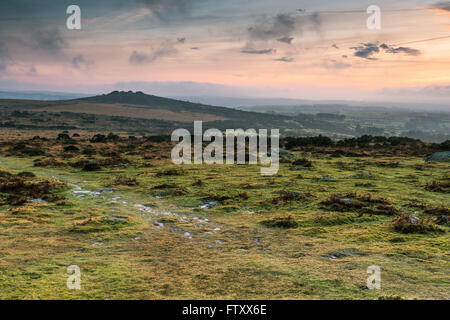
[{"x": 295, "y": 49}]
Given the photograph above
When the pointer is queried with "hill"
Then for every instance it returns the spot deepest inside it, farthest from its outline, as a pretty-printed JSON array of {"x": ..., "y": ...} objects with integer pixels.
[
  {"x": 132, "y": 112},
  {"x": 40, "y": 95},
  {"x": 138, "y": 113}
]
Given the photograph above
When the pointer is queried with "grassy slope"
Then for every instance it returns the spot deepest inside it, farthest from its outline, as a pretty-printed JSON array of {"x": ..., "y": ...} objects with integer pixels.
[
  {"x": 131, "y": 112},
  {"x": 138, "y": 113},
  {"x": 241, "y": 260}
]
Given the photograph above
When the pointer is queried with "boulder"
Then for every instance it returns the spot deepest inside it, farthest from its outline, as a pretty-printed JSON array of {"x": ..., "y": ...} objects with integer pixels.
[
  {"x": 439, "y": 156},
  {"x": 413, "y": 220}
]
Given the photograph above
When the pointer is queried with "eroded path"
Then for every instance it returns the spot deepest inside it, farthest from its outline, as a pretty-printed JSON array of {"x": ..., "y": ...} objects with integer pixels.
[{"x": 189, "y": 226}]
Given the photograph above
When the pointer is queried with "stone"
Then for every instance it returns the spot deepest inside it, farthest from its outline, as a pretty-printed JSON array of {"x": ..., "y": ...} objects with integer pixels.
[
  {"x": 413, "y": 220},
  {"x": 439, "y": 156}
]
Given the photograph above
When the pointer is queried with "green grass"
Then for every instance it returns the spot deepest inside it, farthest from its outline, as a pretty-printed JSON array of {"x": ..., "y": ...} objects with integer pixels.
[{"x": 235, "y": 255}]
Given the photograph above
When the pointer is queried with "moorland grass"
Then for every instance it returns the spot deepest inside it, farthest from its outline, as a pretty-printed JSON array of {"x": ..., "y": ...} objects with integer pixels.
[{"x": 259, "y": 237}]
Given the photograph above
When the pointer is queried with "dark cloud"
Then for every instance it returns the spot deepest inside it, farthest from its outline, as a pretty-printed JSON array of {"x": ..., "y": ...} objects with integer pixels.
[
  {"x": 139, "y": 58},
  {"x": 366, "y": 50},
  {"x": 335, "y": 46},
  {"x": 80, "y": 62},
  {"x": 255, "y": 51},
  {"x": 287, "y": 40},
  {"x": 283, "y": 26},
  {"x": 164, "y": 50},
  {"x": 405, "y": 50},
  {"x": 195, "y": 48},
  {"x": 316, "y": 21},
  {"x": 285, "y": 59},
  {"x": 50, "y": 41},
  {"x": 181, "y": 40},
  {"x": 443, "y": 5}
]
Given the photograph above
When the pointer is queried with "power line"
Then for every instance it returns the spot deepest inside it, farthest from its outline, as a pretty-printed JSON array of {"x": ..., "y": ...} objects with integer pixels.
[
  {"x": 359, "y": 11},
  {"x": 423, "y": 40}
]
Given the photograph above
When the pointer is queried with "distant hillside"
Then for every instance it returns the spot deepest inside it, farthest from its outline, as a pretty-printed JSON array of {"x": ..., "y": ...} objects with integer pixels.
[
  {"x": 139, "y": 113},
  {"x": 217, "y": 117},
  {"x": 39, "y": 95},
  {"x": 160, "y": 103},
  {"x": 131, "y": 112}
]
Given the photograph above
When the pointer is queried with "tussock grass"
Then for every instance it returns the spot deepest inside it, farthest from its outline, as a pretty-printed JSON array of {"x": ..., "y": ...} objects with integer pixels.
[
  {"x": 282, "y": 223},
  {"x": 251, "y": 247},
  {"x": 438, "y": 186},
  {"x": 408, "y": 224}
]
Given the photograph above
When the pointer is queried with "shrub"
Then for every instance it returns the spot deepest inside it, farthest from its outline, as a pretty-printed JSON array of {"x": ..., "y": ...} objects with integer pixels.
[
  {"x": 5, "y": 174},
  {"x": 198, "y": 183},
  {"x": 50, "y": 162},
  {"x": 16, "y": 190},
  {"x": 333, "y": 219},
  {"x": 159, "y": 138},
  {"x": 63, "y": 136},
  {"x": 438, "y": 186},
  {"x": 282, "y": 223},
  {"x": 32, "y": 152},
  {"x": 179, "y": 191},
  {"x": 385, "y": 210},
  {"x": 165, "y": 186},
  {"x": 319, "y": 141},
  {"x": 89, "y": 150},
  {"x": 16, "y": 199},
  {"x": 218, "y": 197},
  {"x": 71, "y": 149},
  {"x": 112, "y": 137},
  {"x": 99, "y": 138},
  {"x": 91, "y": 166},
  {"x": 343, "y": 202},
  {"x": 370, "y": 199},
  {"x": 412, "y": 224},
  {"x": 303, "y": 163},
  {"x": 289, "y": 196},
  {"x": 100, "y": 224},
  {"x": 26, "y": 175},
  {"x": 438, "y": 211},
  {"x": 443, "y": 220},
  {"x": 244, "y": 195},
  {"x": 126, "y": 181},
  {"x": 364, "y": 184},
  {"x": 22, "y": 149},
  {"x": 170, "y": 172}
]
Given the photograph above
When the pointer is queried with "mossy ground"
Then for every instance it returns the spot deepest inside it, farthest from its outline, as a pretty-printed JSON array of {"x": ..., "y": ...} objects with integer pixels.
[{"x": 233, "y": 255}]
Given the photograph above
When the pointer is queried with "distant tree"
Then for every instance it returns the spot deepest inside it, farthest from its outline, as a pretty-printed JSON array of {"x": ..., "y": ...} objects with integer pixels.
[{"x": 99, "y": 138}]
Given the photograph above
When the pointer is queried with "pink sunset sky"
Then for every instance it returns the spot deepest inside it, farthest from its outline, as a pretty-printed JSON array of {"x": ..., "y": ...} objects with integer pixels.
[{"x": 298, "y": 49}]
